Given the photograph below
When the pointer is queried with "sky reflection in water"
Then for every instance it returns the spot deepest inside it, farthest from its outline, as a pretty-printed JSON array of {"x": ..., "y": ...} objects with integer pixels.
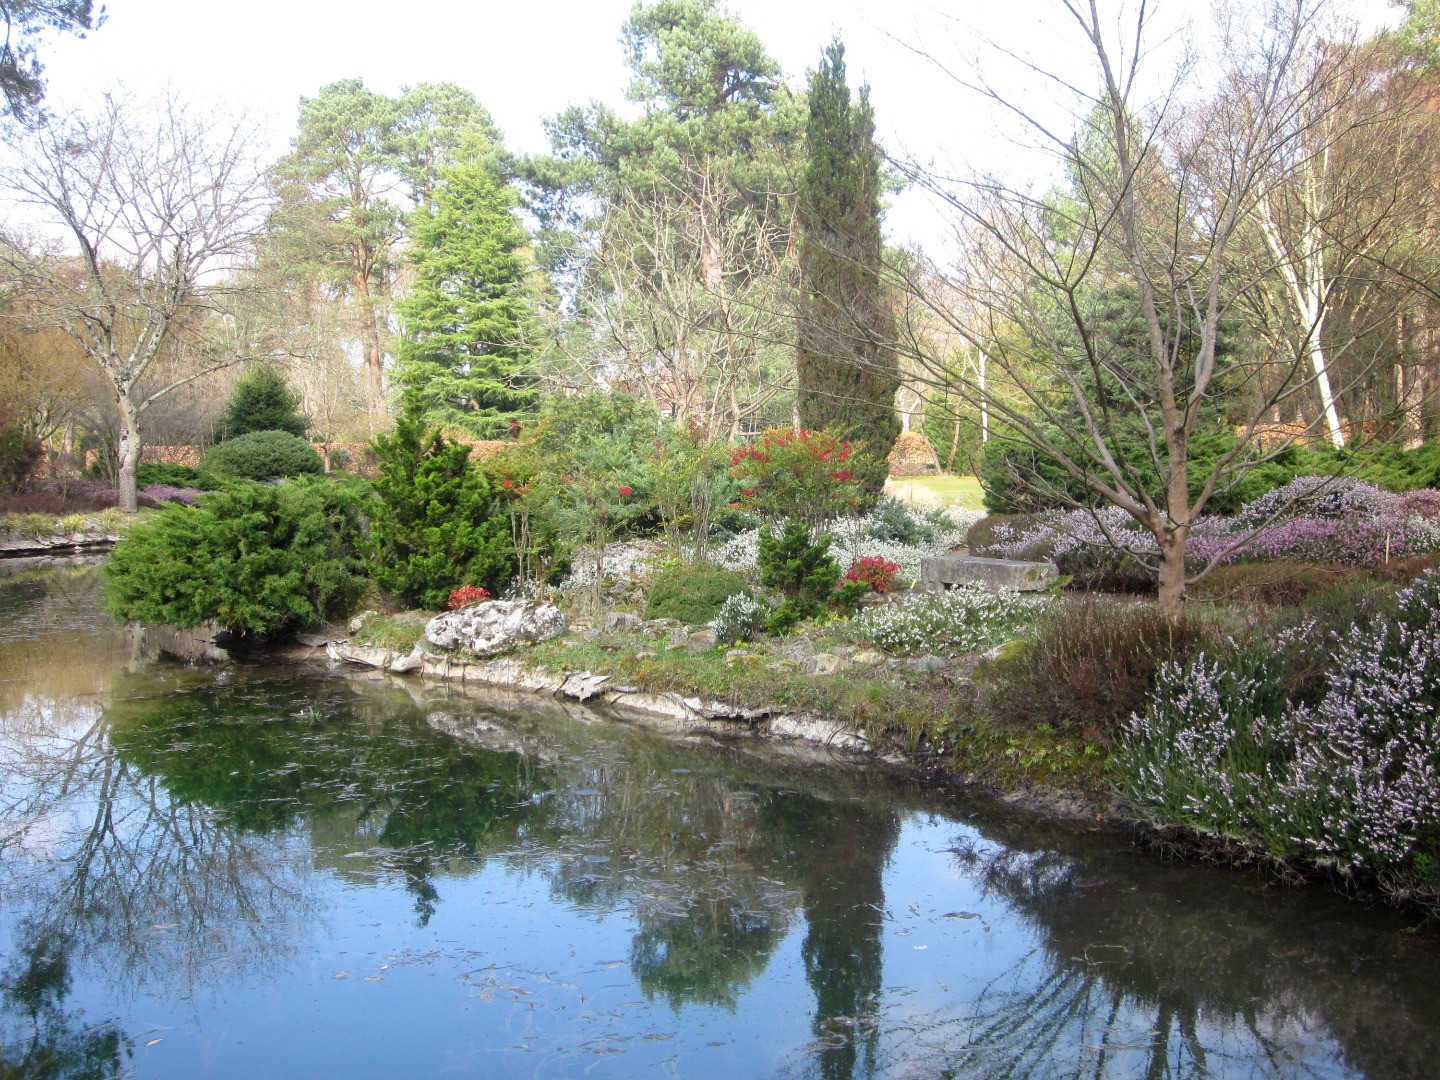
[{"x": 267, "y": 873}]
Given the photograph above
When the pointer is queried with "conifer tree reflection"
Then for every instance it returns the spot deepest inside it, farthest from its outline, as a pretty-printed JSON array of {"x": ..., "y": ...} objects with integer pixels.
[{"x": 837, "y": 852}]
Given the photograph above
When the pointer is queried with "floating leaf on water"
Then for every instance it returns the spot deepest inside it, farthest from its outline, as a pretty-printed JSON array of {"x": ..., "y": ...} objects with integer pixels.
[
  {"x": 960, "y": 915},
  {"x": 154, "y": 1042},
  {"x": 341, "y": 975},
  {"x": 374, "y": 978}
]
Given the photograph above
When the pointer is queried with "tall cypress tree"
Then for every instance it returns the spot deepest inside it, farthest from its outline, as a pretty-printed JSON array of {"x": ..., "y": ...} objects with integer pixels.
[{"x": 847, "y": 371}]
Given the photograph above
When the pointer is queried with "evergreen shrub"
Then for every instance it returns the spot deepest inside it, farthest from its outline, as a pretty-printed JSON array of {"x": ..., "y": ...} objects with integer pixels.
[
  {"x": 692, "y": 592},
  {"x": 263, "y": 401},
  {"x": 180, "y": 476},
  {"x": 263, "y": 455},
  {"x": 440, "y": 522},
  {"x": 801, "y": 568},
  {"x": 256, "y": 559}
]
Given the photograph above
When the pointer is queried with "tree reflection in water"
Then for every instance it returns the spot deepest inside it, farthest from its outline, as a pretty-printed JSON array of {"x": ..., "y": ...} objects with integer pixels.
[
  {"x": 1132, "y": 975},
  {"x": 173, "y": 841}
]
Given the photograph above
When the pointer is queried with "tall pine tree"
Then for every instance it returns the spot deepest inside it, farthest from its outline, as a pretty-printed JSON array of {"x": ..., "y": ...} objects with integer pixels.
[
  {"x": 847, "y": 372},
  {"x": 467, "y": 316}
]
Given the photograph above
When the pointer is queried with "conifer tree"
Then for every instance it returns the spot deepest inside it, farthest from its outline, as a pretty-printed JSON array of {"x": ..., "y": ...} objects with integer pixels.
[
  {"x": 263, "y": 401},
  {"x": 847, "y": 372},
  {"x": 466, "y": 351}
]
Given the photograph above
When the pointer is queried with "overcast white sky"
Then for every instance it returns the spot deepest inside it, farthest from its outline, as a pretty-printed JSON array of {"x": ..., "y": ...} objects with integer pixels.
[{"x": 526, "y": 61}]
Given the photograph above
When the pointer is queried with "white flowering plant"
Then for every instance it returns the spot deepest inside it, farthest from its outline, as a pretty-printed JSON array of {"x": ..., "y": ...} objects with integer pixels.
[{"x": 960, "y": 620}]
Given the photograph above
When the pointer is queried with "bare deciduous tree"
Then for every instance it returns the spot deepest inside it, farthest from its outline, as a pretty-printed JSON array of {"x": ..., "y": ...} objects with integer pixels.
[
  {"x": 1114, "y": 302},
  {"x": 139, "y": 215}
]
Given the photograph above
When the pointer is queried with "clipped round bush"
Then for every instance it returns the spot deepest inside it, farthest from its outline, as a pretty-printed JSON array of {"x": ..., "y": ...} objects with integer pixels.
[
  {"x": 263, "y": 455},
  {"x": 693, "y": 593}
]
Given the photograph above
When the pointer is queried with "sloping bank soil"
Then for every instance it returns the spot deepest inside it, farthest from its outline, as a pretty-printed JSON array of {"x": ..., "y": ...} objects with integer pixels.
[{"x": 683, "y": 713}]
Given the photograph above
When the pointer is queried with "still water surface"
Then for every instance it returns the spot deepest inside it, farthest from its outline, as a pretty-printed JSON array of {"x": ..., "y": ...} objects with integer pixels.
[{"x": 258, "y": 872}]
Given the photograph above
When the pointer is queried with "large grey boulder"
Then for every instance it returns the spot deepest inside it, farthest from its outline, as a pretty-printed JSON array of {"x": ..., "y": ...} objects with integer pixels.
[
  {"x": 937, "y": 574},
  {"x": 496, "y": 625}
]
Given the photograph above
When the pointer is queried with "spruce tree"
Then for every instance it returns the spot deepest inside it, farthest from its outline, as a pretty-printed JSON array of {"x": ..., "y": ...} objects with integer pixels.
[
  {"x": 263, "y": 401},
  {"x": 847, "y": 371},
  {"x": 465, "y": 356}
]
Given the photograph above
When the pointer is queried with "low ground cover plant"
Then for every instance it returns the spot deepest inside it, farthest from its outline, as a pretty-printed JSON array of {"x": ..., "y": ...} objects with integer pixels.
[
  {"x": 1093, "y": 662},
  {"x": 1310, "y": 519},
  {"x": 694, "y": 593},
  {"x": 959, "y": 620},
  {"x": 1346, "y": 781}
]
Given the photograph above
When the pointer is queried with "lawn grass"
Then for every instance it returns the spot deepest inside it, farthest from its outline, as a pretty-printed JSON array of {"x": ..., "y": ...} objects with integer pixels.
[{"x": 942, "y": 490}]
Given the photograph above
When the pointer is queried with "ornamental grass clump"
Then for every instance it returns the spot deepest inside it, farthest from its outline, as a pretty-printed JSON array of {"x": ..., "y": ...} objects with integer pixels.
[
  {"x": 963, "y": 619},
  {"x": 1348, "y": 782}
]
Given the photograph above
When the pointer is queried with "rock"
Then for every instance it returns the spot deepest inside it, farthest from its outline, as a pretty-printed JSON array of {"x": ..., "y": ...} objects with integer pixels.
[
  {"x": 663, "y": 626},
  {"x": 928, "y": 664},
  {"x": 622, "y": 622},
  {"x": 679, "y": 638},
  {"x": 313, "y": 641},
  {"x": 936, "y": 574},
  {"x": 800, "y": 648},
  {"x": 825, "y": 664},
  {"x": 412, "y": 618},
  {"x": 702, "y": 639},
  {"x": 583, "y": 685},
  {"x": 869, "y": 657},
  {"x": 644, "y": 654},
  {"x": 358, "y": 622},
  {"x": 363, "y": 655},
  {"x": 414, "y": 660},
  {"x": 496, "y": 625}
]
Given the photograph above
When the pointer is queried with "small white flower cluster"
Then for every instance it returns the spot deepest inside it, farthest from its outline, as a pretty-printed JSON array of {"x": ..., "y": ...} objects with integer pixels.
[
  {"x": 959, "y": 620},
  {"x": 740, "y": 618}
]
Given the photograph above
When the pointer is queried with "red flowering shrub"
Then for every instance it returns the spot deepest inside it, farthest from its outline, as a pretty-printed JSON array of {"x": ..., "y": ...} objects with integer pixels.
[
  {"x": 467, "y": 595},
  {"x": 876, "y": 571},
  {"x": 800, "y": 475}
]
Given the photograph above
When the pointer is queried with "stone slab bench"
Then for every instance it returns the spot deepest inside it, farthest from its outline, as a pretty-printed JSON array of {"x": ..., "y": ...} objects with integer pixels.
[{"x": 938, "y": 574}]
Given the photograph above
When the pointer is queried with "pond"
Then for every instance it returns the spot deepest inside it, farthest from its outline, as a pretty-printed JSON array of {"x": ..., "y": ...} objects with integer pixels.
[{"x": 259, "y": 871}]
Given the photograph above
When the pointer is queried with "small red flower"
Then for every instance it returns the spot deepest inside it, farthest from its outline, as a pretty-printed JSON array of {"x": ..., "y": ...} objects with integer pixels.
[
  {"x": 507, "y": 483},
  {"x": 467, "y": 595},
  {"x": 626, "y": 491}
]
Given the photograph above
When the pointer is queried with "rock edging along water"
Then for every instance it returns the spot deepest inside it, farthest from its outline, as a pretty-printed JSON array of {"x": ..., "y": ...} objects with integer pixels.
[
  {"x": 693, "y": 714},
  {"x": 63, "y": 544}
]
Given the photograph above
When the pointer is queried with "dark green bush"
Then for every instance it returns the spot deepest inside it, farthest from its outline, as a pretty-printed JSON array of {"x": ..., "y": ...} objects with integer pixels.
[
  {"x": 184, "y": 476},
  {"x": 263, "y": 455},
  {"x": 440, "y": 523},
  {"x": 255, "y": 559},
  {"x": 801, "y": 569},
  {"x": 692, "y": 593},
  {"x": 1094, "y": 662},
  {"x": 263, "y": 401}
]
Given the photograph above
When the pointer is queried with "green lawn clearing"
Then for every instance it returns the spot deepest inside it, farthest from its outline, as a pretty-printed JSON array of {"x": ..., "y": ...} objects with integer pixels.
[{"x": 942, "y": 490}]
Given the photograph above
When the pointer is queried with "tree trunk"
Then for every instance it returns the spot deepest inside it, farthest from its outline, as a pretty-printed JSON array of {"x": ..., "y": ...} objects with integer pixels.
[
  {"x": 127, "y": 452},
  {"x": 1172, "y": 572},
  {"x": 370, "y": 331}
]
